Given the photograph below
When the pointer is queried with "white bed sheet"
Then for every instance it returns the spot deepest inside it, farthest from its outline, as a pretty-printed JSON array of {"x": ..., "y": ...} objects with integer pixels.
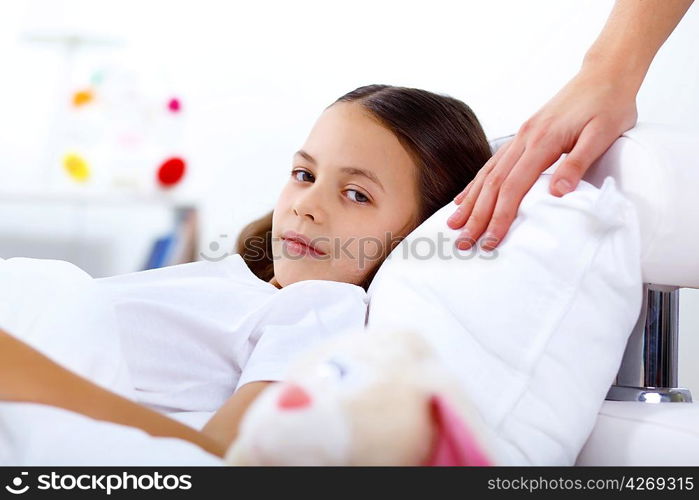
[
  {"x": 54, "y": 307},
  {"x": 33, "y": 434}
]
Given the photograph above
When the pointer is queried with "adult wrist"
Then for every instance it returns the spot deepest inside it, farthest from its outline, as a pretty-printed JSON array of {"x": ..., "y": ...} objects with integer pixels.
[{"x": 625, "y": 72}]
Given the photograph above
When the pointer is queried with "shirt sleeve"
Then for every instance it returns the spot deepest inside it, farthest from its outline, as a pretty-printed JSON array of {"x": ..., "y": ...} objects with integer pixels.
[{"x": 301, "y": 316}]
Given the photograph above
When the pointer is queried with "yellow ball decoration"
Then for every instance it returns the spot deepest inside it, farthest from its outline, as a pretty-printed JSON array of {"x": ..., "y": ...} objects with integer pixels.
[{"x": 76, "y": 166}]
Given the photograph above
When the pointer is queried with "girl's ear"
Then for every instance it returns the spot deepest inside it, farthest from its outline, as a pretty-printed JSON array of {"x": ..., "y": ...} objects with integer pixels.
[{"x": 455, "y": 442}]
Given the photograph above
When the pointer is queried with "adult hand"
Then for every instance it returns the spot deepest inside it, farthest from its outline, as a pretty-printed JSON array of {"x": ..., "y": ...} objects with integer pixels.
[{"x": 583, "y": 119}]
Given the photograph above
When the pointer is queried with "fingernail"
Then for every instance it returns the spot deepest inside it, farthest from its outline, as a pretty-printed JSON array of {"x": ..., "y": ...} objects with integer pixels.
[
  {"x": 489, "y": 240},
  {"x": 464, "y": 241},
  {"x": 563, "y": 186},
  {"x": 463, "y": 244}
]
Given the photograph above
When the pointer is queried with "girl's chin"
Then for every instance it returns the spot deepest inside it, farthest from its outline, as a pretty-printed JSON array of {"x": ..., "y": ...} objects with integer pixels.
[{"x": 289, "y": 273}]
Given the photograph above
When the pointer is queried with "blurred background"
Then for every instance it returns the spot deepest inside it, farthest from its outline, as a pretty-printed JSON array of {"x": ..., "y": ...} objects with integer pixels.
[{"x": 139, "y": 134}]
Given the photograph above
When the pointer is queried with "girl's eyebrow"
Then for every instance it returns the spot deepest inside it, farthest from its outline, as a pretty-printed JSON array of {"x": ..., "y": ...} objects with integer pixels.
[{"x": 349, "y": 170}]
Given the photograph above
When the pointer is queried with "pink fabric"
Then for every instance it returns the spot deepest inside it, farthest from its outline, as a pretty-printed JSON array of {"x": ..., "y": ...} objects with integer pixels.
[{"x": 455, "y": 444}]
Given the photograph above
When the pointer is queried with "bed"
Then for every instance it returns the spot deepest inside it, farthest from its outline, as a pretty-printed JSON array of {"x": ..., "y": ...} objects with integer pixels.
[{"x": 32, "y": 434}]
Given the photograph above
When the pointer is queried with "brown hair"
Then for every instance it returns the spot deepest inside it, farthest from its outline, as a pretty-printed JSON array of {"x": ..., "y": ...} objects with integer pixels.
[{"x": 441, "y": 134}]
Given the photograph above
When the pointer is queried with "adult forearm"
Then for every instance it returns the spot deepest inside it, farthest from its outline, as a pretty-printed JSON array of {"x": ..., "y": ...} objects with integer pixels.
[
  {"x": 631, "y": 37},
  {"x": 98, "y": 403},
  {"x": 224, "y": 425},
  {"x": 26, "y": 375}
]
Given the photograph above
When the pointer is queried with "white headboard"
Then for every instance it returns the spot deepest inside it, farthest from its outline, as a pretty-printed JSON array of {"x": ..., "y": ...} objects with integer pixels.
[{"x": 657, "y": 167}]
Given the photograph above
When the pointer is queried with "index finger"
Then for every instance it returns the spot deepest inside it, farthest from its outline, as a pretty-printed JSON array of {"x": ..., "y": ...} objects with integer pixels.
[
  {"x": 487, "y": 166},
  {"x": 521, "y": 178}
]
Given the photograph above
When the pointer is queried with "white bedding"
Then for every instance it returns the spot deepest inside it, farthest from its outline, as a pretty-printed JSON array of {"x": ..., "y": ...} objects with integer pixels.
[
  {"x": 40, "y": 301},
  {"x": 32, "y": 434},
  {"x": 537, "y": 361},
  {"x": 535, "y": 331},
  {"x": 78, "y": 322}
]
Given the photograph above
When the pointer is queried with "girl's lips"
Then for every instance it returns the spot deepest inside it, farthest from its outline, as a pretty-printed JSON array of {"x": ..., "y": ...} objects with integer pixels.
[
  {"x": 302, "y": 239},
  {"x": 295, "y": 247}
]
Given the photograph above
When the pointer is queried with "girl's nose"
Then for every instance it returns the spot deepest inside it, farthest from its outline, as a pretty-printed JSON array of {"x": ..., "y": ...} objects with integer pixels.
[
  {"x": 293, "y": 397},
  {"x": 301, "y": 208},
  {"x": 310, "y": 203}
]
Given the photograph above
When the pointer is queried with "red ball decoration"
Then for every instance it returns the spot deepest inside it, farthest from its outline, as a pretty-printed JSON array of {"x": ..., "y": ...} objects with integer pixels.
[{"x": 171, "y": 171}]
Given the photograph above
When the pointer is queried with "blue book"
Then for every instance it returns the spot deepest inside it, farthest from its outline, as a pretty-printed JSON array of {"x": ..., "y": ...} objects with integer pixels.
[{"x": 159, "y": 253}]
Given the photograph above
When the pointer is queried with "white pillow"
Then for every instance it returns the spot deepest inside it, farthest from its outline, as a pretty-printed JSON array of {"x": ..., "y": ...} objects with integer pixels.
[{"x": 536, "y": 329}]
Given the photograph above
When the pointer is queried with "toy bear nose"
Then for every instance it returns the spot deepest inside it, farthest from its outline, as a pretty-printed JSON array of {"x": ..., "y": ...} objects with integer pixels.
[{"x": 293, "y": 397}]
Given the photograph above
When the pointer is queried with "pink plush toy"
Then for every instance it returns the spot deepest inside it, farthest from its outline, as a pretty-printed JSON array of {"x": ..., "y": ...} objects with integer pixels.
[{"x": 367, "y": 398}]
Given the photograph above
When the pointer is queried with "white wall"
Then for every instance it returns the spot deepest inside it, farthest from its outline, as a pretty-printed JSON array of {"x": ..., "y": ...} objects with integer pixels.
[{"x": 255, "y": 75}]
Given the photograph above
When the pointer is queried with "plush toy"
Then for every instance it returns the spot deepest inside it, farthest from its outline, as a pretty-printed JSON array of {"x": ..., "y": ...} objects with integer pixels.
[{"x": 367, "y": 398}]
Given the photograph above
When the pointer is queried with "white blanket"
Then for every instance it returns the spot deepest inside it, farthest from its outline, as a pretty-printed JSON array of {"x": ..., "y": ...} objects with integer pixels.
[
  {"x": 32, "y": 434},
  {"x": 40, "y": 301}
]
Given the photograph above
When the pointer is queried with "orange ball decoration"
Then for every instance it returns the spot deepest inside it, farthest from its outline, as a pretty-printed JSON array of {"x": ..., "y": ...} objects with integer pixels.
[{"x": 82, "y": 97}]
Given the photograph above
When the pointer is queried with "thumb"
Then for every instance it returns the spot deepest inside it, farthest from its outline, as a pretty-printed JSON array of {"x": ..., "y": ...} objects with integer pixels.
[{"x": 589, "y": 147}]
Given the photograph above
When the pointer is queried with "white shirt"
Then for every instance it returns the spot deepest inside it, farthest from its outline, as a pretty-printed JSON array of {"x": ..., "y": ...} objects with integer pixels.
[{"x": 193, "y": 333}]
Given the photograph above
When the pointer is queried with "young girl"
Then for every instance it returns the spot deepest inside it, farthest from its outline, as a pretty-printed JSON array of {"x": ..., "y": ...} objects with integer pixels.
[{"x": 209, "y": 336}]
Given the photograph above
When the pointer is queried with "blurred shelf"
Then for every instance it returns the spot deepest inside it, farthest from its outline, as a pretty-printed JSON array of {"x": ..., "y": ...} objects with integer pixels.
[{"x": 103, "y": 233}]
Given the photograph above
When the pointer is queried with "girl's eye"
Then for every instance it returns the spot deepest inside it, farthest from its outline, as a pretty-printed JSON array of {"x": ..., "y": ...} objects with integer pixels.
[
  {"x": 359, "y": 198},
  {"x": 297, "y": 171}
]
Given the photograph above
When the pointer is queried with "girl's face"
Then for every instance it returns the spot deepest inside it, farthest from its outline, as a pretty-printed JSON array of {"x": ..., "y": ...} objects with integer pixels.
[{"x": 351, "y": 193}]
